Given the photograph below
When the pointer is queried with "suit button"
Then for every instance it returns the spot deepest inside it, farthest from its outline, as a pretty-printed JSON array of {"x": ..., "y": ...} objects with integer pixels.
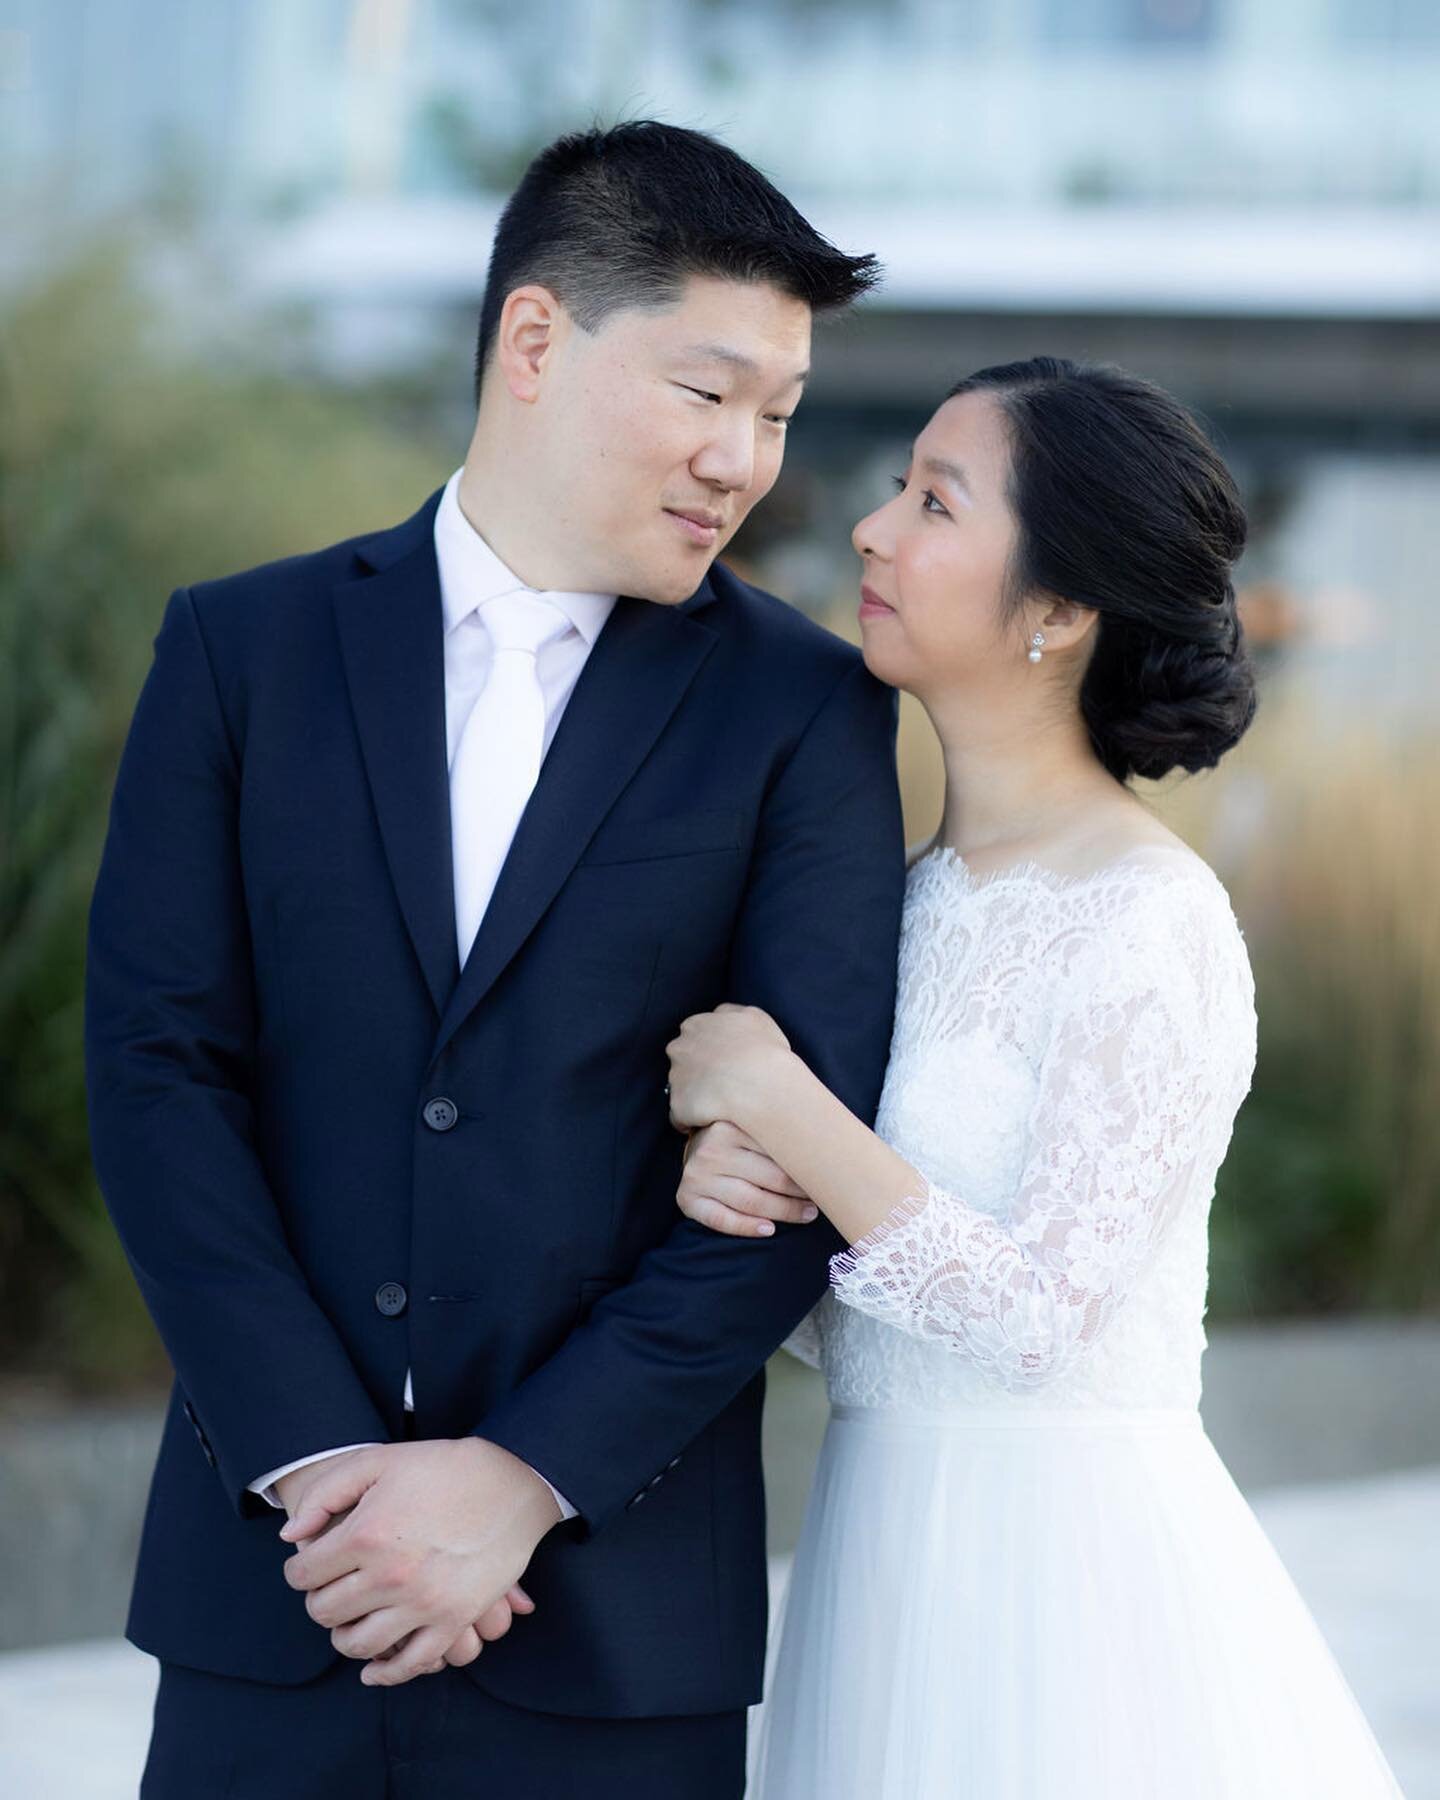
[
  {"x": 653, "y": 1483},
  {"x": 440, "y": 1114},
  {"x": 390, "y": 1298},
  {"x": 674, "y": 1463}
]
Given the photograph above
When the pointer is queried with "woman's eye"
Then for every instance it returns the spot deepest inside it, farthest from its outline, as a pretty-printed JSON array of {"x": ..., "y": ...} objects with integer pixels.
[
  {"x": 701, "y": 392},
  {"x": 927, "y": 496},
  {"x": 778, "y": 418}
]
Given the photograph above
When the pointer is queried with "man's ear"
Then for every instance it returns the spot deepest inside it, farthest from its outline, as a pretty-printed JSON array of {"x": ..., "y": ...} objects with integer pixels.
[{"x": 531, "y": 322}]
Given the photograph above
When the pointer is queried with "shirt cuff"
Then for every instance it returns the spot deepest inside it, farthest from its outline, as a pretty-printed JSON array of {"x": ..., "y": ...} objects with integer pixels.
[
  {"x": 567, "y": 1511},
  {"x": 264, "y": 1485}
]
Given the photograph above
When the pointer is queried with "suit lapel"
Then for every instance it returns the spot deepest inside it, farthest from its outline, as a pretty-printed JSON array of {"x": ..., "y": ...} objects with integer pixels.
[
  {"x": 391, "y": 638},
  {"x": 392, "y": 641},
  {"x": 644, "y": 659}
]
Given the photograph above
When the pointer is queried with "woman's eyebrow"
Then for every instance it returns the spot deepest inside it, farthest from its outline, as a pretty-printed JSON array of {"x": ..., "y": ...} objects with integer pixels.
[{"x": 939, "y": 465}]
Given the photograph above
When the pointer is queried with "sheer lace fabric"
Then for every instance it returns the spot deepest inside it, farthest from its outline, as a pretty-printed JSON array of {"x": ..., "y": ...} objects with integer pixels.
[
  {"x": 1024, "y": 1571},
  {"x": 1068, "y": 1058}
]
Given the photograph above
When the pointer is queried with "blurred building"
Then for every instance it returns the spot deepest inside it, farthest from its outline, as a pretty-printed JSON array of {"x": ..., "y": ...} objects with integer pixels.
[
  {"x": 275, "y": 103},
  {"x": 1241, "y": 200}
]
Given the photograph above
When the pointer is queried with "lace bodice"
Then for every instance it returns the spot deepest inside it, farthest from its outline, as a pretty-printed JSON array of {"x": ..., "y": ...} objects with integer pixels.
[{"x": 1067, "y": 1060}]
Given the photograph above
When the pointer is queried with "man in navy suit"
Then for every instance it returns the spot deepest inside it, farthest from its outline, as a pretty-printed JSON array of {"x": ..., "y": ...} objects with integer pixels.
[{"x": 376, "y": 1018}]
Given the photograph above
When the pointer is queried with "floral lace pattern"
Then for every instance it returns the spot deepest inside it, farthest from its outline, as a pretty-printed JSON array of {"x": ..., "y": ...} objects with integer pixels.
[{"x": 1067, "y": 1061}]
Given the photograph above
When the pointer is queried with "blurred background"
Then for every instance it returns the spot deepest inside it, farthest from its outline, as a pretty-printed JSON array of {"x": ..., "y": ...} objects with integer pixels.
[{"x": 241, "y": 261}]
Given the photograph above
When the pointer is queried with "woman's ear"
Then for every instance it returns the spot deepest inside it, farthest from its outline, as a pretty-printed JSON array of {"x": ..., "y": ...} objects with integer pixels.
[{"x": 1065, "y": 623}]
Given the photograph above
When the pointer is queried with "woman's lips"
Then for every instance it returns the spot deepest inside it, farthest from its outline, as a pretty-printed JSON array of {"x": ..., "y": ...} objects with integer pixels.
[
  {"x": 872, "y": 606},
  {"x": 701, "y": 528}
]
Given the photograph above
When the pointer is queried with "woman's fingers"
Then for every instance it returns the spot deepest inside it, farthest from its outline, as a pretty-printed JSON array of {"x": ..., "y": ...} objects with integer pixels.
[
  {"x": 730, "y": 1185},
  {"x": 744, "y": 1196},
  {"x": 519, "y": 1600},
  {"x": 724, "y": 1149},
  {"x": 765, "y": 1172},
  {"x": 755, "y": 1218},
  {"x": 716, "y": 1217}
]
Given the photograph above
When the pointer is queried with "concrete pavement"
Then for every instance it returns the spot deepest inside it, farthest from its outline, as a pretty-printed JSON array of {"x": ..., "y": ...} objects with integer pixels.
[{"x": 74, "y": 1720}]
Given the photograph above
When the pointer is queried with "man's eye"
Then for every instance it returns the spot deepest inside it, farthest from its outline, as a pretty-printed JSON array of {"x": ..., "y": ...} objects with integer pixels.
[
  {"x": 779, "y": 418},
  {"x": 704, "y": 395}
]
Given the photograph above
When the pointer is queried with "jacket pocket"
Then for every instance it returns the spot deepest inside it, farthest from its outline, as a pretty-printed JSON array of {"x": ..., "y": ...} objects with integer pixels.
[{"x": 704, "y": 831}]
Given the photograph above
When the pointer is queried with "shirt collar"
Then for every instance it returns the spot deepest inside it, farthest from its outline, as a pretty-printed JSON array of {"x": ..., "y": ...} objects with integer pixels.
[{"x": 471, "y": 573}]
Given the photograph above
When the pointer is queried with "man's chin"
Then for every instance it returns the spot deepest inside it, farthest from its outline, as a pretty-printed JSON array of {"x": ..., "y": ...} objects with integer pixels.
[{"x": 674, "y": 587}]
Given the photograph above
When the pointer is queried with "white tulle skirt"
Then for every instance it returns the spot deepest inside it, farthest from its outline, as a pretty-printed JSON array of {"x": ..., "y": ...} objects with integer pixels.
[{"x": 1069, "y": 1605}]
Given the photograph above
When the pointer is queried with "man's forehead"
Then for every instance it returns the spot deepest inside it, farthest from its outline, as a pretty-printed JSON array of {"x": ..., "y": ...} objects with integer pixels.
[{"x": 710, "y": 308}]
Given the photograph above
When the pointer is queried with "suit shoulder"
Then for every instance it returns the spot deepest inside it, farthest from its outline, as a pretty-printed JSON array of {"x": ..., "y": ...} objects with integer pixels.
[
  {"x": 283, "y": 581},
  {"x": 786, "y": 627}
]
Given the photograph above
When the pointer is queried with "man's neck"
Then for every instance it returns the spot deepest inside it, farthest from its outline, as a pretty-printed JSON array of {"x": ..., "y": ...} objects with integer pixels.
[{"x": 482, "y": 497}]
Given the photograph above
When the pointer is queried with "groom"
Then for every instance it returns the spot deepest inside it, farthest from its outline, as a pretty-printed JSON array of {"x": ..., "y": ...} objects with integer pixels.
[{"x": 421, "y": 848}]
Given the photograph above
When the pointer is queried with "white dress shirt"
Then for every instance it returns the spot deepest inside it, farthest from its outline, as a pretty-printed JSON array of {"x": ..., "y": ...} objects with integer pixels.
[{"x": 471, "y": 573}]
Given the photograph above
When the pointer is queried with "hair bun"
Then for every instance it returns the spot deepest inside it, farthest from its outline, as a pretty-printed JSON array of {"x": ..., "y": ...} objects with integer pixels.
[{"x": 1183, "y": 706}]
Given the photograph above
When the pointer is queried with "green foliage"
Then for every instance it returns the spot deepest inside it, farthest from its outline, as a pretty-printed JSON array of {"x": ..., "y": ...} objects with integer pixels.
[{"x": 126, "y": 469}]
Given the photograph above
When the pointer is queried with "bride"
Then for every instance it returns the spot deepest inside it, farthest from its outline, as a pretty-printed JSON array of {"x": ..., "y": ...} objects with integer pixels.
[{"x": 1024, "y": 1572}]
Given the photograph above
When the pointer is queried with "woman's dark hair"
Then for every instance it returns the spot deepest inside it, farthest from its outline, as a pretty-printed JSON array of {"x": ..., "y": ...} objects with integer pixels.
[
  {"x": 1124, "y": 505},
  {"x": 620, "y": 218}
]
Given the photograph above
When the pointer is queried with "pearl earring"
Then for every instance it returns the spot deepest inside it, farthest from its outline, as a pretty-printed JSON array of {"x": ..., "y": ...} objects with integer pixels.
[{"x": 1037, "y": 645}]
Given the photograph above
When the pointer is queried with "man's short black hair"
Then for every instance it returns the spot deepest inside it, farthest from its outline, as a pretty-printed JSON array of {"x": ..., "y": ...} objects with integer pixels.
[{"x": 623, "y": 217}]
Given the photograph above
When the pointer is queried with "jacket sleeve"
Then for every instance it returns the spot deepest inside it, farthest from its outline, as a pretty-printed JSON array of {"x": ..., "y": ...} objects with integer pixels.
[
  {"x": 170, "y": 1048},
  {"x": 815, "y": 945}
]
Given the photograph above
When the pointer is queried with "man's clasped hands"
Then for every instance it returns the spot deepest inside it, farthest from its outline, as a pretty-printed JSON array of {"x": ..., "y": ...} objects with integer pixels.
[{"x": 411, "y": 1553}]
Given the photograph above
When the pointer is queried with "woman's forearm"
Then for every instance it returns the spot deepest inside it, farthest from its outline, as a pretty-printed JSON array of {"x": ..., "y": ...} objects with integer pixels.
[{"x": 853, "y": 1176}]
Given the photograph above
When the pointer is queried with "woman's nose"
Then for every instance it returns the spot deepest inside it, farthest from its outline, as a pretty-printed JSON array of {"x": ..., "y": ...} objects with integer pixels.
[{"x": 868, "y": 534}]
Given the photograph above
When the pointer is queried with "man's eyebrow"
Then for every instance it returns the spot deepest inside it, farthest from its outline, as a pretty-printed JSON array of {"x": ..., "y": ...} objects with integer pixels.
[
  {"x": 736, "y": 359},
  {"x": 939, "y": 465}
]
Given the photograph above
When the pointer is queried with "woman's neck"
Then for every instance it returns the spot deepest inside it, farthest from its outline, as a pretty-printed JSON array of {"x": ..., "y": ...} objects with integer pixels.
[{"x": 1019, "y": 782}]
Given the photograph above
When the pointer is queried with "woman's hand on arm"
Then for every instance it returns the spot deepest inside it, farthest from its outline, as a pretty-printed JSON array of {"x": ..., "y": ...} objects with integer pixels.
[
  {"x": 721, "y": 1064},
  {"x": 730, "y": 1185},
  {"x": 735, "y": 1064}
]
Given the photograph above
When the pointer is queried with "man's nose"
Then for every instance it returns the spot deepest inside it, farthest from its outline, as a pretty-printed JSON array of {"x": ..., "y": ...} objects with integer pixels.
[{"x": 728, "y": 457}]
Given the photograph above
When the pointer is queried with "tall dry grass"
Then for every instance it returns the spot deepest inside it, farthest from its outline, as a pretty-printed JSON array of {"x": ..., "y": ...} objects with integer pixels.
[{"x": 1330, "y": 849}]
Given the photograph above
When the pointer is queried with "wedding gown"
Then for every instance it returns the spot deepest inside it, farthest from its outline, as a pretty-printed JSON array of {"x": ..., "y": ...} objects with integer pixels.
[{"x": 1024, "y": 1573}]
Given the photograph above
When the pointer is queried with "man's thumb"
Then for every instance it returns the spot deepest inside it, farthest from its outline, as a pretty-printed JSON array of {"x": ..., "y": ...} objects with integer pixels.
[
  {"x": 311, "y": 1518},
  {"x": 336, "y": 1491}
]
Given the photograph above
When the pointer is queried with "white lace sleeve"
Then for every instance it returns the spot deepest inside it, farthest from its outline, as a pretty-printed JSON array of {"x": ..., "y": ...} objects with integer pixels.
[{"x": 1149, "y": 1055}]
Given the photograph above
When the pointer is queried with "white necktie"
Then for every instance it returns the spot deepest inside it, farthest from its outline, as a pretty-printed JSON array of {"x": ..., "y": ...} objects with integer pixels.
[{"x": 497, "y": 761}]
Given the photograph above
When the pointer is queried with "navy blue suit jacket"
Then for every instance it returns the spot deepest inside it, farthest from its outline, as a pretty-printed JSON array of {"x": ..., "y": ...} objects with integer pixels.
[{"x": 273, "y": 1000}]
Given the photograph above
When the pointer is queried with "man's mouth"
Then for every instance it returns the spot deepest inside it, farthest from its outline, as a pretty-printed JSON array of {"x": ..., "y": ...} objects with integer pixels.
[{"x": 699, "y": 524}]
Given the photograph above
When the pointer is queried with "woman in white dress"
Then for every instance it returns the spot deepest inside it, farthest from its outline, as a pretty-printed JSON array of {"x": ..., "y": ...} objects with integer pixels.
[{"x": 1024, "y": 1573}]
